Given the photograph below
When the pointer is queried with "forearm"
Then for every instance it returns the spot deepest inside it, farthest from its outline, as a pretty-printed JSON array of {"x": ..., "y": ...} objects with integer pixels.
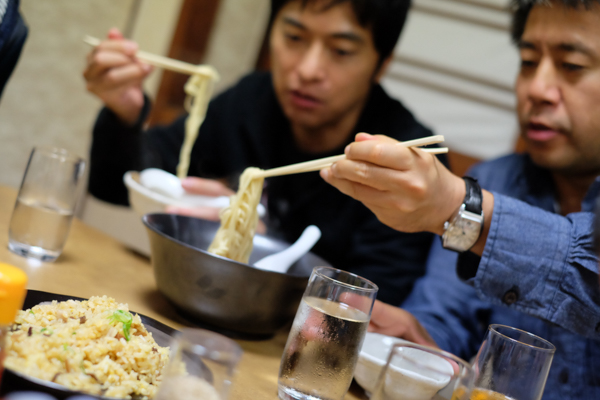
[
  {"x": 115, "y": 150},
  {"x": 542, "y": 264}
]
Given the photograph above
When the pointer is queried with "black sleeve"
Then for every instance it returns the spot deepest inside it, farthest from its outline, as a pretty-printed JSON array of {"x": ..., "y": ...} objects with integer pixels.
[
  {"x": 117, "y": 148},
  {"x": 114, "y": 151},
  {"x": 393, "y": 260}
]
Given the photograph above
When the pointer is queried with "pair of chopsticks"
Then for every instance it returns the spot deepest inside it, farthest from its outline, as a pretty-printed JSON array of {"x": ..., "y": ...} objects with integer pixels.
[
  {"x": 317, "y": 165},
  {"x": 165, "y": 62}
]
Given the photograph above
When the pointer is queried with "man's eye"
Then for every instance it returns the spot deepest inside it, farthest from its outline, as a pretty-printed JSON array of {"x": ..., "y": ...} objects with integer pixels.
[
  {"x": 342, "y": 52},
  {"x": 528, "y": 64},
  {"x": 293, "y": 38},
  {"x": 572, "y": 67}
]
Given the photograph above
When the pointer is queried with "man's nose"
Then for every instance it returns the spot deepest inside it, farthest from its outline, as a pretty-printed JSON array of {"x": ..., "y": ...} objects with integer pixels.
[
  {"x": 544, "y": 87},
  {"x": 311, "y": 65}
]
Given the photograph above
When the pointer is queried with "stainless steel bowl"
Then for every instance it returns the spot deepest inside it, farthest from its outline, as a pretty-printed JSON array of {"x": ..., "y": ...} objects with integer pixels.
[{"x": 220, "y": 291}]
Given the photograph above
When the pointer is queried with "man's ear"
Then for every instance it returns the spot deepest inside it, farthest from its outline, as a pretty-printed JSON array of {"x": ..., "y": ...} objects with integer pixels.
[{"x": 382, "y": 69}]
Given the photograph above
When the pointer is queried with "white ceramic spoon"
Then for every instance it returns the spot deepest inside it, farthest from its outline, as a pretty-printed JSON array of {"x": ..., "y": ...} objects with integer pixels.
[
  {"x": 169, "y": 185},
  {"x": 282, "y": 261}
]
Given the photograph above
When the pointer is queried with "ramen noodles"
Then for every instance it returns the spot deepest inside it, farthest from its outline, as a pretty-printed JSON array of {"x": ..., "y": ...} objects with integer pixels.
[
  {"x": 238, "y": 221},
  {"x": 198, "y": 88}
]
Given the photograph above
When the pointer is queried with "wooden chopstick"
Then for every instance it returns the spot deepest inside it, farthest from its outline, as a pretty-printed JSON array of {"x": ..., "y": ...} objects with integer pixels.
[
  {"x": 316, "y": 165},
  {"x": 165, "y": 62}
]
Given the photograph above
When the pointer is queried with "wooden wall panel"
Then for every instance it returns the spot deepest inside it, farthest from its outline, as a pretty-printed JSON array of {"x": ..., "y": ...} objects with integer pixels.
[{"x": 189, "y": 44}]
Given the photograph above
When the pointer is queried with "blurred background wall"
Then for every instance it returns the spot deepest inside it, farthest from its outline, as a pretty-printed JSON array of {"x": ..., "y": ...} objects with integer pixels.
[
  {"x": 454, "y": 68},
  {"x": 45, "y": 100}
]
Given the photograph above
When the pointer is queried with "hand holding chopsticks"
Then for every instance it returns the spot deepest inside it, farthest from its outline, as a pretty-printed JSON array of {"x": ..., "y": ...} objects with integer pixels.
[
  {"x": 165, "y": 62},
  {"x": 406, "y": 190},
  {"x": 316, "y": 165}
]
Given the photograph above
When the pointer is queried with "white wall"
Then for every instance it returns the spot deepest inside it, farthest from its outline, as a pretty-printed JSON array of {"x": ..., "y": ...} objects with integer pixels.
[
  {"x": 45, "y": 101},
  {"x": 454, "y": 68}
]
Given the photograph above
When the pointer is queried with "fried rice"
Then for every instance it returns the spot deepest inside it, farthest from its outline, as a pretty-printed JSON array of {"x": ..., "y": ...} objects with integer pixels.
[{"x": 94, "y": 346}]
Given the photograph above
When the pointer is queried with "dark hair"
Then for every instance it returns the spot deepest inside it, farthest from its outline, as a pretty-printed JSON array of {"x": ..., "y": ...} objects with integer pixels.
[
  {"x": 521, "y": 9},
  {"x": 385, "y": 18}
]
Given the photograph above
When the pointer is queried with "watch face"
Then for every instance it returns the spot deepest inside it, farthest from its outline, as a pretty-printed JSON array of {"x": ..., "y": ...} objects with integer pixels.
[{"x": 463, "y": 232}]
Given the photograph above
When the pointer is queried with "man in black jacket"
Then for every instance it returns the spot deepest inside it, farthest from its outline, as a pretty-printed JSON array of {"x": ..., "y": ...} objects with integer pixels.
[{"x": 327, "y": 57}]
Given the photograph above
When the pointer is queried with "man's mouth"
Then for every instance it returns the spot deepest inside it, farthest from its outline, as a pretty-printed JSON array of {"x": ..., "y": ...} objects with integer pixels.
[
  {"x": 304, "y": 100},
  {"x": 540, "y": 132}
]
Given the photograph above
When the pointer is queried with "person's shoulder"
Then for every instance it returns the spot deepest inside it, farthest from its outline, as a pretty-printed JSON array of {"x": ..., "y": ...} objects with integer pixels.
[
  {"x": 514, "y": 160},
  {"x": 250, "y": 92},
  {"x": 252, "y": 83},
  {"x": 391, "y": 117},
  {"x": 500, "y": 170}
]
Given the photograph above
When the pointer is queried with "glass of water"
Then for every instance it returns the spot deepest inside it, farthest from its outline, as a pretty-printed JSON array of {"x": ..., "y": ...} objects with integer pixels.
[
  {"x": 323, "y": 345},
  {"x": 47, "y": 198},
  {"x": 202, "y": 365},
  {"x": 511, "y": 364},
  {"x": 416, "y": 372}
]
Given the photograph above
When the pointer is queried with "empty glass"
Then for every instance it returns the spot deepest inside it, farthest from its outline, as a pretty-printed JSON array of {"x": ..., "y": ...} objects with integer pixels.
[
  {"x": 201, "y": 366},
  {"x": 46, "y": 202},
  {"x": 511, "y": 363},
  {"x": 323, "y": 345},
  {"x": 416, "y": 372}
]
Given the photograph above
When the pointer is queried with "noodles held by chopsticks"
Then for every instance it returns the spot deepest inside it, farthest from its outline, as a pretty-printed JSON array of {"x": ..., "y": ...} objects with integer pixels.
[
  {"x": 199, "y": 90},
  {"x": 238, "y": 221}
]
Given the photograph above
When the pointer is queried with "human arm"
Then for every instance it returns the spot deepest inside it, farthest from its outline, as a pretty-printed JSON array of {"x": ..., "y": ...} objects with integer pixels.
[
  {"x": 115, "y": 75},
  {"x": 540, "y": 263},
  {"x": 211, "y": 188},
  {"x": 394, "y": 321},
  {"x": 549, "y": 258},
  {"x": 118, "y": 148},
  {"x": 202, "y": 187}
]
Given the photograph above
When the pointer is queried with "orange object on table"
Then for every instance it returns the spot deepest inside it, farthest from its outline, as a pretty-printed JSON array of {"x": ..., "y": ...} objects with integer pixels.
[{"x": 13, "y": 282}]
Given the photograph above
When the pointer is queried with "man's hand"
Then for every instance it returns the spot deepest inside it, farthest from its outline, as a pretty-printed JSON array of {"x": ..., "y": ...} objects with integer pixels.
[
  {"x": 407, "y": 189},
  {"x": 206, "y": 187},
  {"x": 394, "y": 321},
  {"x": 115, "y": 75}
]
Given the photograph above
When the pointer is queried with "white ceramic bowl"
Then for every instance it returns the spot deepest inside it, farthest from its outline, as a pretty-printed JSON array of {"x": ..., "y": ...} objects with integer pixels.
[
  {"x": 153, "y": 196},
  {"x": 372, "y": 358},
  {"x": 142, "y": 199},
  {"x": 402, "y": 382}
]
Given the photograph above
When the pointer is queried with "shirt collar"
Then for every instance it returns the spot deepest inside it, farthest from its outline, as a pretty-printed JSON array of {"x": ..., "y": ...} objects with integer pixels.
[{"x": 542, "y": 192}]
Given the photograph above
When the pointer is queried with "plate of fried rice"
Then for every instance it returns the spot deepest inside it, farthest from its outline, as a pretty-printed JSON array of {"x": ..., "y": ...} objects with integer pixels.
[{"x": 64, "y": 345}]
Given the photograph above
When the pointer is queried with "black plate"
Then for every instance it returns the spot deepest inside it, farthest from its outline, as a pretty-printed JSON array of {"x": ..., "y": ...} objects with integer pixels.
[{"x": 13, "y": 381}]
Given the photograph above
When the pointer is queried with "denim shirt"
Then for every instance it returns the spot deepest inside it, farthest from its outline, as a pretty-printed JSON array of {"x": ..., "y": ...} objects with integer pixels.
[{"x": 538, "y": 272}]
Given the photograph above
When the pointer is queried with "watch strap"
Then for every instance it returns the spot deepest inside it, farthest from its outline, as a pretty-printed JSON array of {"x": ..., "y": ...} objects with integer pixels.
[{"x": 473, "y": 196}]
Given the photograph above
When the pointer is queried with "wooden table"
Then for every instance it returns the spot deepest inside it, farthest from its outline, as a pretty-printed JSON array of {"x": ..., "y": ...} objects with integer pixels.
[{"x": 93, "y": 263}]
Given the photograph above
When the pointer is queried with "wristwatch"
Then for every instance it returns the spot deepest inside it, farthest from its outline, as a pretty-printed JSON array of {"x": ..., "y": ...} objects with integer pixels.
[{"x": 462, "y": 232}]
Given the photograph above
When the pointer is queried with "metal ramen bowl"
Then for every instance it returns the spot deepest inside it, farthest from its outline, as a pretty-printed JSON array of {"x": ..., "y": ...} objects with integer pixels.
[{"x": 219, "y": 291}]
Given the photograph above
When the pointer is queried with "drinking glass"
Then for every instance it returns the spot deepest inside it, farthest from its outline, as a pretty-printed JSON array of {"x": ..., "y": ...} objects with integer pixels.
[
  {"x": 201, "y": 366},
  {"x": 416, "y": 372},
  {"x": 46, "y": 202},
  {"x": 325, "y": 339},
  {"x": 511, "y": 363}
]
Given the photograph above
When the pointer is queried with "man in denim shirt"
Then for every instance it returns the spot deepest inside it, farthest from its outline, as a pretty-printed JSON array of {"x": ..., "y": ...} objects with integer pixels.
[{"x": 532, "y": 265}]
